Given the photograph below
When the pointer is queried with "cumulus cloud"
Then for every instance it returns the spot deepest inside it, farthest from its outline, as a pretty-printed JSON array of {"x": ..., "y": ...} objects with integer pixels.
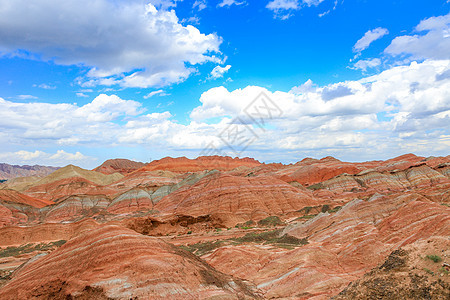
[
  {"x": 154, "y": 50},
  {"x": 219, "y": 71},
  {"x": 431, "y": 42},
  {"x": 398, "y": 107},
  {"x": 60, "y": 158},
  {"x": 369, "y": 37},
  {"x": 64, "y": 124},
  {"x": 399, "y": 110}
]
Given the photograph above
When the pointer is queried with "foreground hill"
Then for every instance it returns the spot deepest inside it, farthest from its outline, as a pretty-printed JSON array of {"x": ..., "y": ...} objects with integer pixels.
[
  {"x": 12, "y": 171},
  {"x": 112, "y": 262},
  {"x": 315, "y": 229}
]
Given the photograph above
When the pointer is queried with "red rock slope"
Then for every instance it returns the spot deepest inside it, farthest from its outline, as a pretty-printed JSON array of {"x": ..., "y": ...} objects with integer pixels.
[
  {"x": 183, "y": 164},
  {"x": 120, "y": 263},
  {"x": 119, "y": 165},
  {"x": 236, "y": 199}
]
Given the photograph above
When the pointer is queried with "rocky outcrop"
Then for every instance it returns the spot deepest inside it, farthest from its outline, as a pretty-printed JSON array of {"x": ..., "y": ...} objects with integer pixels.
[
  {"x": 120, "y": 263},
  {"x": 71, "y": 171},
  {"x": 13, "y": 196},
  {"x": 119, "y": 165},
  {"x": 342, "y": 247},
  {"x": 55, "y": 190},
  {"x": 19, "y": 184},
  {"x": 12, "y": 171},
  {"x": 74, "y": 208},
  {"x": 183, "y": 164},
  {"x": 236, "y": 199},
  {"x": 407, "y": 273}
]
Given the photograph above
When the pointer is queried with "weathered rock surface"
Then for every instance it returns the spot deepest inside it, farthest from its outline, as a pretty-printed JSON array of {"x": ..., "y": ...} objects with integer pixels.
[
  {"x": 119, "y": 165},
  {"x": 71, "y": 171},
  {"x": 122, "y": 264},
  {"x": 342, "y": 247},
  {"x": 183, "y": 164},
  {"x": 236, "y": 199},
  {"x": 407, "y": 273}
]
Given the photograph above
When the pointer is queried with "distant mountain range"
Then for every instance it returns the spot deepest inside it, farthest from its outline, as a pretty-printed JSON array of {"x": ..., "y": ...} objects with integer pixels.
[{"x": 12, "y": 171}]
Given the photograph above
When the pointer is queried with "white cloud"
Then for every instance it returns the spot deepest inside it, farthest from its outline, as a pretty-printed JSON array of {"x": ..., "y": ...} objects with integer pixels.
[
  {"x": 60, "y": 158},
  {"x": 219, "y": 71},
  {"x": 379, "y": 116},
  {"x": 199, "y": 4},
  {"x": 432, "y": 43},
  {"x": 367, "y": 64},
  {"x": 26, "y": 97},
  {"x": 330, "y": 10},
  {"x": 398, "y": 107},
  {"x": 283, "y": 8},
  {"x": 154, "y": 50},
  {"x": 154, "y": 93},
  {"x": 45, "y": 86},
  {"x": 83, "y": 95},
  {"x": 40, "y": 123},
  {"x": 369, "y": 37},
  {"x": 229, "y": 3}
]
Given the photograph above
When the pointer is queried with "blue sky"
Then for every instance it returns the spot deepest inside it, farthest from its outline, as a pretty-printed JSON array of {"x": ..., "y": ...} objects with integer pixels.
[{"x": 148, "y": 79}]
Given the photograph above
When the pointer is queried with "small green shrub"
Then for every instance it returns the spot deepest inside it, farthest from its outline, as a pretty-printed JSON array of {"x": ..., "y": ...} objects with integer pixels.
[
  {"x": 189, "y": 232},
  {"x": 434, "y": 258},
  {"x": 28, "y": 248},
  {"x": 428, "y": 271},
  {"x": 202, "y": 248},
  {"x": 271, "y": 237},
  {"x": 335, "y": 209},
  {"x": 315, "y": 187},
  {"x": 270, "y": 221},
  {"x": 325, "y": 208}
]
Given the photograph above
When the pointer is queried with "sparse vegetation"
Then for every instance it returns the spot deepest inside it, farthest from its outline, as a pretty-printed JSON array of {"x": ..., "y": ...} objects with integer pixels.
[
  {"x": 306, "y": 209},
  {"x": 325, "y": 208},
  {"x": 315, "y": 187},
  {"x": 271, "y": 237},
  {"x": 270, "y": 221},
  {"x": 28, "y": 248},
  {"x": 445, "y": 204},
  {"x": 434, "y": 258},
  {"x": 202, "y": 248},
  {"x": 444, "y": 270},
  {"x": 335, "y": 209},
  {"x": 428, "y": 271}
]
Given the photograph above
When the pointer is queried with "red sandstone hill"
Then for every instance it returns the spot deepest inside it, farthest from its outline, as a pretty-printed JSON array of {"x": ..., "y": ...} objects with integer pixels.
[
  {"x": 236, "y": 199},
  {"x": 16, "y": 197},
  {"x": 342, "y": 246},
  {"x": 113, "y": 262},
  {"x": 401, "y": 203},
  {"x": 119, "y": 165},
  {"x": 183, "y": 164}
]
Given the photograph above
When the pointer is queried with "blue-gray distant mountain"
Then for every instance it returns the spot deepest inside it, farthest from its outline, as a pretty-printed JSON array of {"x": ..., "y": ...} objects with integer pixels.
[{"x": 12, "y": 171}]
